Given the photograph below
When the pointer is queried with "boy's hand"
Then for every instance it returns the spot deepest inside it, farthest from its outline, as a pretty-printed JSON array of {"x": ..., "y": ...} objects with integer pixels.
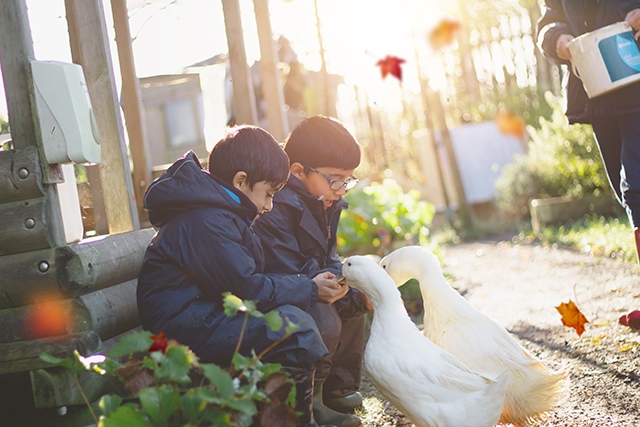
[{"x": 329, "y": 290}]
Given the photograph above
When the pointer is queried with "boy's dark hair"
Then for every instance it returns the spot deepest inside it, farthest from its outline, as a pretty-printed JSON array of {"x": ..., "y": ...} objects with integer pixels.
[
  {"x": 322, "y": 141},
  {"x": 252, "y": 150}
]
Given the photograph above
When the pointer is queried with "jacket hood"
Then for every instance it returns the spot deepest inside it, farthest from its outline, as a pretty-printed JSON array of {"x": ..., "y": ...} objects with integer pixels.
[{"x": 186, "y": 186}]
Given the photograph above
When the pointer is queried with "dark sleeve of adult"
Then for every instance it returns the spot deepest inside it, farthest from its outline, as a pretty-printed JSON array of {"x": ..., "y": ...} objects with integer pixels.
[
  {"x": 550, "y": 26},
  {"x": 212, "y": 250},
  {"x": 277, "y": 232}
]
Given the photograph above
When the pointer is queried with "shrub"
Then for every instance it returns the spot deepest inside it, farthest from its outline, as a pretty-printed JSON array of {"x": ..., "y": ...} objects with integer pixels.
[
  {"x": 167, "y": 395},
  {"x": 562, "y": 160},
  {"x": 380, "y": 214}
]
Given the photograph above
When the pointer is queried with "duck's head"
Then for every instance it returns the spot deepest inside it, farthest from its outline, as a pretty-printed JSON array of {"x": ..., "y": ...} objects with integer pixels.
[
  {"x": 409, "y": 262},
  {"x": 365, "y": 274}
]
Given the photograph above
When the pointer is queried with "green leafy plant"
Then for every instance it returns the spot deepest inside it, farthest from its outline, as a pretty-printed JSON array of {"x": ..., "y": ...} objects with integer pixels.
[
  {"x": 381, "y": 214},
  {"x": 168, "y": 386},
  {"x": 562, "y": 160}
]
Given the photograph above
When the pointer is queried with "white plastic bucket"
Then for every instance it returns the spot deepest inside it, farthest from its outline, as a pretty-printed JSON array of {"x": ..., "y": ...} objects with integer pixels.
[{"x": 606, "y": 59}]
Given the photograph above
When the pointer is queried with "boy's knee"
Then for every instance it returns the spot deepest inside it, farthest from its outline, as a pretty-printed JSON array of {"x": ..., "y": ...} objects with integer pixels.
[{"x": 304, "y": 346}]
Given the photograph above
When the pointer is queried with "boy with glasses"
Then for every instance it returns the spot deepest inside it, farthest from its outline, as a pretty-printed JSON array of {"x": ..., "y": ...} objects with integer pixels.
[{"x": 299, "y": 237}]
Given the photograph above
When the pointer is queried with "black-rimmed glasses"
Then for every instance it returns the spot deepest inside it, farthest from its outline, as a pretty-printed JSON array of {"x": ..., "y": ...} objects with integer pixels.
[{"x": 337, "y": 184}]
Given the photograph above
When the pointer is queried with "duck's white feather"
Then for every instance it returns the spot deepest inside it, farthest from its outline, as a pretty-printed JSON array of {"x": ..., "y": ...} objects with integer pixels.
[
  {"x": 452, "y": 323},
  {"x": 426, "y": 383}
]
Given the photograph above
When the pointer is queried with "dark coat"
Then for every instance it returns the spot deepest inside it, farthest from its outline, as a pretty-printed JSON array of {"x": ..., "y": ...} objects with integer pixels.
[
  {"x": 568, "y": 17},
  {"x": 298, "y": 236},
  {"x": 205, "y": 246}
]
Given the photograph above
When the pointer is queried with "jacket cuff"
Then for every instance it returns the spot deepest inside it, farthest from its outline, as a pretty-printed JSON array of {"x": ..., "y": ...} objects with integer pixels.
[
  {"x": 548, "y": 38},
  {"x": 314, "y": 293}
]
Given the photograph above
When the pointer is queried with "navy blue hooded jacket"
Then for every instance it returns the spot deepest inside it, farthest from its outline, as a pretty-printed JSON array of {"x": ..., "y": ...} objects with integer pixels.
[
  {"x": 205, "y": 246},
  {"x": 571, "y": 17},
  {"x": 298, "y": 236}
]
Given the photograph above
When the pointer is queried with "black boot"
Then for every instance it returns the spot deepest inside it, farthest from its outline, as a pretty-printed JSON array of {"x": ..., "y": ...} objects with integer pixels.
[
  {"x": 304, "y": 399},
  {"x": 326, "y": 415}
]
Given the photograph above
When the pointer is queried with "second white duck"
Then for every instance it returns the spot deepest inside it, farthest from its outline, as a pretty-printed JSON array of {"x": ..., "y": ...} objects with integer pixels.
[{"x": 452, "y": 323}]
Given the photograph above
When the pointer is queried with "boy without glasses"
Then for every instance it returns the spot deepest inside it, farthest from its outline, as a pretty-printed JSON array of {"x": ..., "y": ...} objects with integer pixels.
[
  {"x": 299, "y": 236},
  {"x": 205, "y": 246}
]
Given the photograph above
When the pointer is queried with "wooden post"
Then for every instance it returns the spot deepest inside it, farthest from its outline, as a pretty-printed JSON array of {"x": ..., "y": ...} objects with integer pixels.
[
  {"x": 463, "y": 209},
  {"x": 271, "y": 82},
  {"x": 244, "y": 101},
  {"x": 327, "y": 107},
  {"x": 132, "y": 104},
  {"x": 16, "y": 50},
  {"x": 90, "y": 49}
]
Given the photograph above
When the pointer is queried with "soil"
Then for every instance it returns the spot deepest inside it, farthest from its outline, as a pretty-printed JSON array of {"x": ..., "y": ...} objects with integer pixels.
[{"x": 519, "y": 286}]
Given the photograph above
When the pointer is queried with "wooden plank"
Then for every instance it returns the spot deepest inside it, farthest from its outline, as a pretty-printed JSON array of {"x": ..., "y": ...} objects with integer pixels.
[
  {"x": 16, "y": 49},
  {"x": 101, "y": 262},
  {"x": 23, "y": 224},
  {"x": 244, "y": 101},
  {"x": 28, "y": 277},
  {"x": 24, "y": 355},
  {"x": 54, "y": 387},
  {"x": 43, "y": 319},
  {"x": 271, "y": 81},
  {"x": 132, "y": 106},
  {"x": 19, "y": 171},
  {"x": 112, "y": 310},
  {"x": 90, "y": 49}
]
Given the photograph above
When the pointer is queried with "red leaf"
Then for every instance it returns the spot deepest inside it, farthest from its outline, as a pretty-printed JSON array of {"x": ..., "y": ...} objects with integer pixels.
[
  {"x": 391, "y": 65},
  {"x": 160, "y": 342},
  {"x": 444, "y": 33},
  {"x": 631, "y": 320},
  {"x": 572, "y": 317}
]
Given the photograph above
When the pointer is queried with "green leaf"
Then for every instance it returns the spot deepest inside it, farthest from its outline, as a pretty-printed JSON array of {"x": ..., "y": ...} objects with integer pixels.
[
  {"x": 159, "y": 402},
  {"x": 291, "y": 327},
  {"x": 108, "y": 367},
  {"x": 219, "y": 417},
  {"x": 232, "y": 304},
  {"x": 72, "y": 364},
  {"x": 246, "y": 406},
  {"x": 51, "y": 359},
  {"x": 109, "y": 403},
  {"x": 274, "y": 320},
  {"x": 124, "y": 416},
  {"x": 175, "y": 363},
  {"x": 220, "y": 379},
  {"x": 240, "y": 362},
  {"x": 192, "y": 405},
  {"x": 271, "y": 368},
  {"x": 137, "y": 341}
]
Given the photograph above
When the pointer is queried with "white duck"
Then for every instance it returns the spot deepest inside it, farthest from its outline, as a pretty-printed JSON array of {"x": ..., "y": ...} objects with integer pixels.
[
  {"x": 452, "y": 323},
  {"x": 426, "y": 383}
]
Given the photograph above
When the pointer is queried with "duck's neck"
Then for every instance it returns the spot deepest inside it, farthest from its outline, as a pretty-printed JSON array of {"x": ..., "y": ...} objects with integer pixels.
[
  {"x": 389, "y": 307},
  {"x": 434, "y": 287}
]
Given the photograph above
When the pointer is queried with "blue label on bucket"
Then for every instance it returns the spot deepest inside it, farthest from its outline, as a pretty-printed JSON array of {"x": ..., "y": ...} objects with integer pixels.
[{"x": 621, "y": 55}]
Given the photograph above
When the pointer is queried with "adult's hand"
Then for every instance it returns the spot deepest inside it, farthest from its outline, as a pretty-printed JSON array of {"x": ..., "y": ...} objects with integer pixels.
[
  {"x": 561, "y": 46},
  {"x": 633, "y": 19},
  {"x": 329, "y": 290}
]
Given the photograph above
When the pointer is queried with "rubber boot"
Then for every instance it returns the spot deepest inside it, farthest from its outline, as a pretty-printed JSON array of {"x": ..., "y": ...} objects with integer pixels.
[
  {"x": 636, "y": 232},
  {"x": 326, "y": 415},
  {"x": 304, "y": 399},
  {"x": 344, "y": 404}
]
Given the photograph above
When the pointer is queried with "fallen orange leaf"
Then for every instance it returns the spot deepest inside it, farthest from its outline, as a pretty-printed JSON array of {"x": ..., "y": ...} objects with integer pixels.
[
  {"x": 510, "y": 124},
  {"x": 572, "y": 317}
]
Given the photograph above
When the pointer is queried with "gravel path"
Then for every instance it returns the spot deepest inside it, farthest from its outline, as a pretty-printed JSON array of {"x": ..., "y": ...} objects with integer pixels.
[{"x": 519, "y": 286}]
